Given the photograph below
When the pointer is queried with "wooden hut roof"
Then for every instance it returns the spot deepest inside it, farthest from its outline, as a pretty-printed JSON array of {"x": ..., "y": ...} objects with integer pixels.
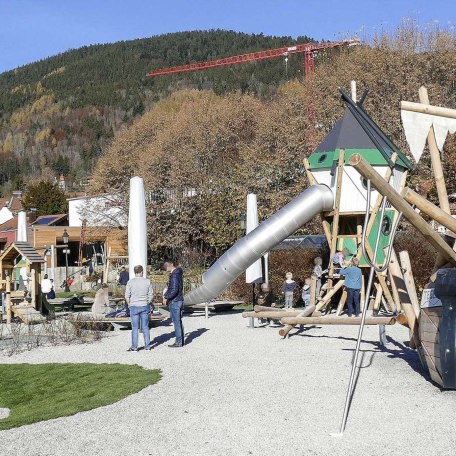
[{"x": 28, "y": 252}]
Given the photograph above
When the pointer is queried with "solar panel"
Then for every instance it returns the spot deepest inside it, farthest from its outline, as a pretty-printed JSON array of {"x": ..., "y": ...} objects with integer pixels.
[{"x": 45, "y": 220}]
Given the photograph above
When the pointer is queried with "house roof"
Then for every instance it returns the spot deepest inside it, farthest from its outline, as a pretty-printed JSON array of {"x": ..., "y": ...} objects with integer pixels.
[
  {"x": 49, "y": 220},
  {"x": 356, "y": 132},
  {"x": 13, "y": 202},
  {"x": 23, "y": 248},
  {"x": 9, "y": 225}
]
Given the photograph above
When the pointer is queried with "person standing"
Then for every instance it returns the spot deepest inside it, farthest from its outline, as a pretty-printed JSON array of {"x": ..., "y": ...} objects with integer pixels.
[
  {"x": 175, "y": 299},
  {"x": 46, "y": 285},
  {"x": 139, "y": 295},
  {"x": 124, "y": 277},
  {"x": 288, "y": 289},
  {"x": 46, "y": 288},
  {"x": 353, "y": 283}
]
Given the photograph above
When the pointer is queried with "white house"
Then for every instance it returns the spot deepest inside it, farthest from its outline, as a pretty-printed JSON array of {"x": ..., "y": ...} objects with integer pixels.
[{"x": 100, "y": 210}]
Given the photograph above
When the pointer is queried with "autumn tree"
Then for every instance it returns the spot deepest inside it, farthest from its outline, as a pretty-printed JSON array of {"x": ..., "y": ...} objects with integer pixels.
[{"x": 46, "y": 197}]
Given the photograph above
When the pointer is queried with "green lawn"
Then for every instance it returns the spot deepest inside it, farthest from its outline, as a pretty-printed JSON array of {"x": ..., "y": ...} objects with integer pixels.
[{"x": 38, "y": 392}]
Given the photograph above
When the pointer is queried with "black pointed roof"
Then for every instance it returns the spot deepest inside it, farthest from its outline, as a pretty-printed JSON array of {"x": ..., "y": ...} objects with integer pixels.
[
  {"x": 356, "y": 131},
  {"x": 348, "y": 134}
]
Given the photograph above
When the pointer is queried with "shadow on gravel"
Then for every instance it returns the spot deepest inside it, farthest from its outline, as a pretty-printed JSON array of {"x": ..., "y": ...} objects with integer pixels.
[
  {"x": 194, "y": 335},
  {"x": 410, "y": 356},
  {"x": 162, "y": 339}
]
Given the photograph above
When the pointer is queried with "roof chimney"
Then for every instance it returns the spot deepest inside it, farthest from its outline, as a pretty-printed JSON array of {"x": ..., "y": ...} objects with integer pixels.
[{"x": 32, "y": 215}]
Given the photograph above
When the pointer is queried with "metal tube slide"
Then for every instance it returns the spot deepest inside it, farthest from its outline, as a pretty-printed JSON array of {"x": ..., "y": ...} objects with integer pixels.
[{"x": 246, "y": 251}]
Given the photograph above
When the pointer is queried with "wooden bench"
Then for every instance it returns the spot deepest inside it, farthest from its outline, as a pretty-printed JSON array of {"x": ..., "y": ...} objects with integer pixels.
[
  {"x": 215, "y": 306},
  {"x": 117, "y": 323}
]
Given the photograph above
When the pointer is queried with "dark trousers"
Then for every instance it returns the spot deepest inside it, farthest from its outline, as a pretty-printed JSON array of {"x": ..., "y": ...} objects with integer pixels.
[{"x": 352, "y": 298}]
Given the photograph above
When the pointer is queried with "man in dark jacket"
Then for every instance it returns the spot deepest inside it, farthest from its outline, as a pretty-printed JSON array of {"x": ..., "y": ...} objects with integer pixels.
[{"x": 175, "y": 299}]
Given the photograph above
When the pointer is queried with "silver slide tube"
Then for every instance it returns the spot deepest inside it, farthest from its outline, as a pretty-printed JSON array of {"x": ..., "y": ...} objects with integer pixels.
[{"x": 246, "y": 251}]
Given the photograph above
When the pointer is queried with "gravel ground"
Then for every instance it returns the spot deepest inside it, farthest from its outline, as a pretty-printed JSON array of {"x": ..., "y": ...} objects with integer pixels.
[{"x": 238, "y": 391}]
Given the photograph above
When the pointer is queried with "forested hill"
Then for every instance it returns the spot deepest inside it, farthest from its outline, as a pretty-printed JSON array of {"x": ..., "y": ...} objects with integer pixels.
[{"x": 58, "y": 114}]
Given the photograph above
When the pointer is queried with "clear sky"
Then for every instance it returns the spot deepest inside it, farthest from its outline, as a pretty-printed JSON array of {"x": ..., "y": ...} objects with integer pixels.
[{"x": 34, "y": 29}]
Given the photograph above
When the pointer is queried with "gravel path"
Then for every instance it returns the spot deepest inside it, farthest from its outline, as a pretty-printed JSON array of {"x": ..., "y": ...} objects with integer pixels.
[{"x": 237, "y": 391}]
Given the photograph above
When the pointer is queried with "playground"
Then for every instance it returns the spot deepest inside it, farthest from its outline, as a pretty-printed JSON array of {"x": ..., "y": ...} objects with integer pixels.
[{"x": 238, "y": 391}]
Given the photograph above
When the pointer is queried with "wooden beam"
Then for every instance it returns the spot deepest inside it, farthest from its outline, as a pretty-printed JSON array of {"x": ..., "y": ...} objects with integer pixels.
[
  {"x": 310, "y": 176},
  {"x": 377, "y": 205},
  {"x": 428, "y": 109},
  {"x": 398, "y": 280},
  {"x": 313, "y": 290},
  {"x": 362, "y": 295},
  {"x": 338, "y": 320},
  {"x": 276, "y": 315},
  {"x": 335, "y": 227},
  {"x": 388, "y": 296},
  {"x": 409, "y": 280},
  {"x": 366, "y": 170},
  {"x": 430, "y": 209},
  {"x": 8, "y": 300},
  {"x": 306, "y": 312},
  {"x": 343, "y": 300},
  {"x": 435, "y": 159},
  {"x": 378, "y": 297},
  {"x": 330, "y": 294}
]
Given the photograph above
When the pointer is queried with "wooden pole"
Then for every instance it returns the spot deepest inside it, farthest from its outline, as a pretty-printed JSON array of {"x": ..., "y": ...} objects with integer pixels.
[
  {"x": 388, "y": 297},
  {"x": 376, "y": 208},
  {"x": 33, "y": 286},
  {"x": 362, "y": 298},
  {"x": 353, "y": 90},
  {"x": 409, "y": 280},
  {"x": 430, "y": 209},
  {"x": 404, "y": 298},
  {"x": 366, "y": 170},
  {"x": 335, "y": 227},
  {"x": 8, "y": 299},
  {"x": 343, "y": 300},
  {"x": 378, "y": 297},
  {"x": 276, "y": 315},
  {"x": 428, "y": 109},
  {"x": 435, "y": 159},
  {"x": 338, "y": 320},
  {"x": 330, "y": 294},
  {"x": 313, "y": 290},
  {"x": 309, "y": 174},
  {"x": 308, "y": 311},
  {"x": 106, "y": 269}
]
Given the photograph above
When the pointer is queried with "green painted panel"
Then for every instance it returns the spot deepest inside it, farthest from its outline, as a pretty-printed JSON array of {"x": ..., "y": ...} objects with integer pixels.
[
  {"x": 325, "y": 160},
  {"x": 350, "y": 243}
]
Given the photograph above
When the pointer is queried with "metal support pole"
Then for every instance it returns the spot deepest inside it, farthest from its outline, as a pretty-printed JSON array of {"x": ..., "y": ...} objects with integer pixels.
[
  {"x": 382, "y": 335},
  {"x": 252, "y": 319},
  {"x": 351, "y": 383},
  {"x": 67, "y": 288}
]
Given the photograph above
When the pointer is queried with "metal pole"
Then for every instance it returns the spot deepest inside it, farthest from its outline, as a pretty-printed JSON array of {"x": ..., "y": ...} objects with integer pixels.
[
  {"x": 67, "y": 288},
  {"x": 363, "y": 319},
  {"x": 52, "y": 262}
]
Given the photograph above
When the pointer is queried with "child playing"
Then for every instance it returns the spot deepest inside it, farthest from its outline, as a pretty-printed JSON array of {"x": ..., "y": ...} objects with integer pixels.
[
  {"x": 306, "y": 291},
  {"x": 318, "y": 273},
  {"x": 288, "y": 289},
  {"x": 353, "y": 283}
]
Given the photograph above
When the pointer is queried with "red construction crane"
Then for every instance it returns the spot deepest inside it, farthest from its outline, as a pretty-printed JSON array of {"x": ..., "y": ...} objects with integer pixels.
[{"x": 309, "y": 50}]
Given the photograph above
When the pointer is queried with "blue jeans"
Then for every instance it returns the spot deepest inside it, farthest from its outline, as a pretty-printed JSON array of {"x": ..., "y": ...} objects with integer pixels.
[
  {"x": 352, "y": 298},
  {"x": 137, "y": 314},
  {"x": 177, "y": 309}
]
